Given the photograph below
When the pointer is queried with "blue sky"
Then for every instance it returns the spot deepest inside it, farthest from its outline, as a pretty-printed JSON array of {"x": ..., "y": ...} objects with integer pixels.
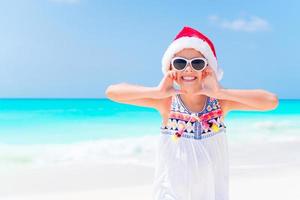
[{"x": 77, "y": 48}]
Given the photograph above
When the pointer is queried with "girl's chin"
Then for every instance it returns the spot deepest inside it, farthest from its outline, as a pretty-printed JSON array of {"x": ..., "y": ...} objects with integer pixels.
[{"x": 189, "y": 88}]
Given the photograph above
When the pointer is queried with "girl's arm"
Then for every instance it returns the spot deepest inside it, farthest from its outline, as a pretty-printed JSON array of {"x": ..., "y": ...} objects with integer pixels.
[
  {"x": 125, "y": 91},
  {"x": 256, "y": 99},
  {"x": 154, "y": 97},
  {"x": 133, "y": 94},
  {"x": 235, "y": 99}
]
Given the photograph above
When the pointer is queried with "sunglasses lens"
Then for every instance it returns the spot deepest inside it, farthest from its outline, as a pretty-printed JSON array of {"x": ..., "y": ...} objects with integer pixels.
[
  {"x": 198, "y": 64},
  {"x": 179, "y": 64}
]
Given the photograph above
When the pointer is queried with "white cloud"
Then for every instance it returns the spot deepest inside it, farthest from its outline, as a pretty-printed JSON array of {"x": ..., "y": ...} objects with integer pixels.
[
  {"x": 66, "y": 1},
  {"x": 252, "y": 24}
]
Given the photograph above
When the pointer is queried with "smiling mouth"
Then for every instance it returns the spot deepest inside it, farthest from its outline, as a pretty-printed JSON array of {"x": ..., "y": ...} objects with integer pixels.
[{"x": 188, "y": 78}]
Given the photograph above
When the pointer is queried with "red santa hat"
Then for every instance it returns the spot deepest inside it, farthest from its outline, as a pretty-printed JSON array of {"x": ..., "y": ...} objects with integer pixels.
[{"x": 191, "y": 38}]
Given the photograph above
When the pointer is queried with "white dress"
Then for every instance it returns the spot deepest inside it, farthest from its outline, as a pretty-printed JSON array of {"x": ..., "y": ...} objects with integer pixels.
[{"x": 194, "y": 166}]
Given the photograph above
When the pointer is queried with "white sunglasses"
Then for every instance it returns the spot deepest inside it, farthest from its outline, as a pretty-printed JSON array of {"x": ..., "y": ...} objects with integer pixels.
[{"x": 180, "y": 63}]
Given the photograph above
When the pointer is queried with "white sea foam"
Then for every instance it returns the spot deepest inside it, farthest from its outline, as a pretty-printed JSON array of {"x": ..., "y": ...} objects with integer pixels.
[{"x": 139, "y": 150}]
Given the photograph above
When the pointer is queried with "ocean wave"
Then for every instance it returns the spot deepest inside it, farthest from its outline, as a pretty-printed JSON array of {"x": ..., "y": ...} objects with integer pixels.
[
  {"x": 272, "y": 124},
  {"x": 139, "y": 150}
]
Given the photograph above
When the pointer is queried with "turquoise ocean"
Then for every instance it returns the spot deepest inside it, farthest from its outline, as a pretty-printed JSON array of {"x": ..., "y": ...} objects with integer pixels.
[{"x": 49, "y": 131}]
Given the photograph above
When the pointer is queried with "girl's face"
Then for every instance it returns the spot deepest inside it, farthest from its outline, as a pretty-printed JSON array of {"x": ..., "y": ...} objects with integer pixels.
[{"x": 189, "y": 85}]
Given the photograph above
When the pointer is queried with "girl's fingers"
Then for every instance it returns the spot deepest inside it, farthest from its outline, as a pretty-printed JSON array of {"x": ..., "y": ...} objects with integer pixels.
[
  {"x": 170, "y": 75},
  {"x": 210, "y": 70},
  {"x": 174, "y": 75}
]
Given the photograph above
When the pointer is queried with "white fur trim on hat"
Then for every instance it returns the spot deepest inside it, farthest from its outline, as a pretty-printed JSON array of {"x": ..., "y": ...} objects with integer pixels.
[{"x": 195, "y": 43}]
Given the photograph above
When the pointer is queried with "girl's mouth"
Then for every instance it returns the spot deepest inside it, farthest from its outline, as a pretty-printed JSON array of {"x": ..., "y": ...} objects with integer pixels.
[{"x": 188, "y": 78}]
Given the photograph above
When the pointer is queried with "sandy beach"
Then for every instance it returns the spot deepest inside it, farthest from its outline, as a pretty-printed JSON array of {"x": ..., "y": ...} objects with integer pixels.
[
  {"x": 134, "y": 182},
  {"x": 268, "y": 171}
]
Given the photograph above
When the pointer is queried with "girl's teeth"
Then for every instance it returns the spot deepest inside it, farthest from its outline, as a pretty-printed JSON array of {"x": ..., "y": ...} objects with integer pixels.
[{"x": 189, "y": 78}]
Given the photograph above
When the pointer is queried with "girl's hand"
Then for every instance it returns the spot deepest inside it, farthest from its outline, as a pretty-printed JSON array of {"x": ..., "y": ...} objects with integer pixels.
[
  {"x": 165, "y": 88},
  {"x": 210, "y": 85}
]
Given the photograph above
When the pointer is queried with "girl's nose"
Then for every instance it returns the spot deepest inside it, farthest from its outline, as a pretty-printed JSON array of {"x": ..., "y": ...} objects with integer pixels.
[{"x": 188, "y": 67}]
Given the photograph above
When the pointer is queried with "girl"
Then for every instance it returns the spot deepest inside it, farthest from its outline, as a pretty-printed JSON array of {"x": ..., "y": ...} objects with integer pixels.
[{"x": 192, "y": 154}]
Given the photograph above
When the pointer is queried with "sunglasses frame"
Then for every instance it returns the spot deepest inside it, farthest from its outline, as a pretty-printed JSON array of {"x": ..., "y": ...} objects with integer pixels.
[{"x": 189, "y": 61}]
